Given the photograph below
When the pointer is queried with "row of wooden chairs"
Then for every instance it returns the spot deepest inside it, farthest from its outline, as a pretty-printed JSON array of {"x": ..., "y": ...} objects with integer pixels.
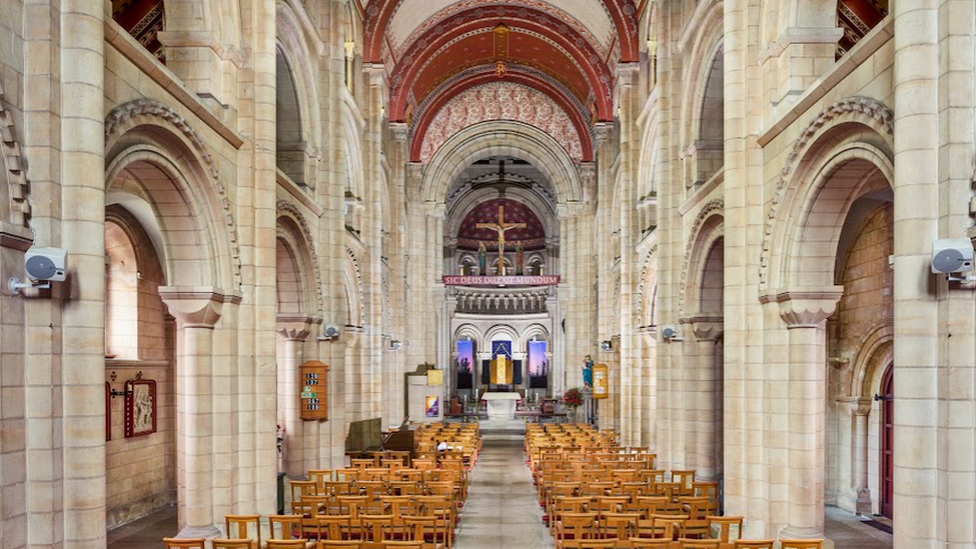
[{"x": 200, "y": 543}]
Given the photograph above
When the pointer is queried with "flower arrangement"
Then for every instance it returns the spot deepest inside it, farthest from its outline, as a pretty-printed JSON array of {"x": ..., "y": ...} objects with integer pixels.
[{"x": 573, "y": 398}]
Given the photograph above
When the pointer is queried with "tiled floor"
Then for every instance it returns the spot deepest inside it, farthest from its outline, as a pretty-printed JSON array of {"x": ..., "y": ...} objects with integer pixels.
[
  {"x": 501, "y": 511},
  {"x": 847, "y": 532},
  {"x": 145, "y": 533}
]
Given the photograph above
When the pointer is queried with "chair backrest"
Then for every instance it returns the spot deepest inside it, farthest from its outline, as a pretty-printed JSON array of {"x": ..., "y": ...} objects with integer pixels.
[
  {"x": 699, "y": 543},
  {"x": 801, "y": 543},
  {"x": 240, "y": 527},
  {"x": 334, "y": 527},
  {"x": 647, "y": 543},
  {"x": 685, "y": 479},
  {"x": 598, "y": 544},
  {"x": 337, "y": 544},
  {"x": 753, "y": 544},
  {"x": 404, "y": 544},
  {"x": 377, "y": 528},
  {"x": 725, "y": 525},
  {"x": 420, "y": 528},
  {"x": 576, "y": 526},
  {"x": 697, "y": 507},
  {"x": 188, "y": 543},
  {"x": 620, "y": 526},
  {"x": 233, "y": 544},
  {"x": 286, "y": 544},
  {"x": 669, "y": 526},
  {"x": 287, "y": 525}
]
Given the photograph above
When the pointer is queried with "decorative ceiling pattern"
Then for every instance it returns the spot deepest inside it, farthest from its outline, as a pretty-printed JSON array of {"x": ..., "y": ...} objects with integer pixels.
[
  {"x": 532, "y": 237},
  {"x": 857, "y": 18},
  {"x": 501, "y": 101},
  {"x": 143, "y": 20}
]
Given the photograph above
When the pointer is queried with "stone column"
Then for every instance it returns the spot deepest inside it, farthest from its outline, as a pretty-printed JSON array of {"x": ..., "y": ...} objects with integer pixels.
[
  {"x": 805, "y": 311},
  {"x": 77, "y": 363},
  {"x": 292, "y": 332},
  {"x": 707, "y": 330},
  {"x": 860, "y": 412},
  {"x": 196, "y": 310}
]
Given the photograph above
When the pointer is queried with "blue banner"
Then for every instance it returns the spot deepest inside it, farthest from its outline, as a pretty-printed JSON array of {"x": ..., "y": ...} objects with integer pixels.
[{"x": 501, "y": 348}]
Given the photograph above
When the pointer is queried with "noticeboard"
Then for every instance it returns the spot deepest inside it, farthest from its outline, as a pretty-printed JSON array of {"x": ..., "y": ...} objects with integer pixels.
[
  {"x": 601, "y": 386},
  {"x": 313, "y": 380}
]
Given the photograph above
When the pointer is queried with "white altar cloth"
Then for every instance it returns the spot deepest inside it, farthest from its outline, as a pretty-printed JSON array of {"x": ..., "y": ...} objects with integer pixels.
[{"x": 501, "y": 405}]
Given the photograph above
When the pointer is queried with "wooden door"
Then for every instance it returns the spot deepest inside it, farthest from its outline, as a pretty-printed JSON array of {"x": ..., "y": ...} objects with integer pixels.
[{"x": 887, "y": 446}]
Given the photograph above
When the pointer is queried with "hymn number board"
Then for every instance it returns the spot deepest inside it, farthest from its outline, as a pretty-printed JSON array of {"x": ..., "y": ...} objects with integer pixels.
[{"x": 314, "y": 385}]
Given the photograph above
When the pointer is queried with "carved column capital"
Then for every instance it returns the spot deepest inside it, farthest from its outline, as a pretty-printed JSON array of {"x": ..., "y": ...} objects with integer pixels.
[
  {"x": 707, "y": 328},
  {"x": 295, "y": 328},
  {"x": 400, "y": 131},
  {"x": 196, "y": 306},
  {"x": 805, "y": 307},
  {"x": 859, "y": 406},
  {"x": 603, "y": 131}
]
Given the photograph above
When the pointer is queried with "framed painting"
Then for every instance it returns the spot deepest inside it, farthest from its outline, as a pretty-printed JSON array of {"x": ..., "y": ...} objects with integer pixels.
[{"x": 140, "y": 407}]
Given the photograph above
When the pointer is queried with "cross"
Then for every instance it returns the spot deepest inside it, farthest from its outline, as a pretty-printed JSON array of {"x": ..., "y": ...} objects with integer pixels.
[{"x": 501, "y": 227}]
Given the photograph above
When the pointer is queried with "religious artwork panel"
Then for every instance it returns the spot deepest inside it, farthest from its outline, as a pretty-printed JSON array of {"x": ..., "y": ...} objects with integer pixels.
[
  {"x": 140, "y": 407},
  {"x": 464, "y": 364},
  {"x": 432, "y": 406},
  {"x": 538, "y": 365}
]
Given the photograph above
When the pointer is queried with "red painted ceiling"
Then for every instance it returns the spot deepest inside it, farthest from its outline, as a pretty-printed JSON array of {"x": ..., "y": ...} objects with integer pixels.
[
  {"x": 532, "y": 237},
  {"x": 142, "y": 19},
  {"x": 857, "y": 18}
]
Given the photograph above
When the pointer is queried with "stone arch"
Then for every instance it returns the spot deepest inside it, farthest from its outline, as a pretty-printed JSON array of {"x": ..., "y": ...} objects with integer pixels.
[
  {"x": 533, "y": 330},
  {"x": 647, "y": 292},
  {"x": 469, "y": 330},
  {"x": 707, "y": 229},
  {"x": 292, "y": 220},
  {"x": 699, "y": 44},
  {"x": 297, "y": 45},
  {"x": 147, "y": 136},
  {"x": 852, "y": 128},
  {"x": 874, "y": 353},
  {"x": 290, "y": 296},
  {"x": 501, "y": 138},
  {"x": 501, "y": 331},
  {"x": 14, "y": 206},
  {"x": 355, "y": 291},
  {"x": 542, "y": 208},
  {"x": 352, "y": 126}
]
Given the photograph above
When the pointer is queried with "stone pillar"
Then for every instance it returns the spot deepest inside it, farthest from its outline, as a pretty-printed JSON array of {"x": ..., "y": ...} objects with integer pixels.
[
  {"x": 707, "y": 330},
  {"x": 860, "y": 412},
  {"x": 919, "y": 475},
  {"x": 805, "y": 311},
  {"x": 196, "y": 310},
  {"x": 77, "y": 363},
  {"x": 292, "y": 332}
]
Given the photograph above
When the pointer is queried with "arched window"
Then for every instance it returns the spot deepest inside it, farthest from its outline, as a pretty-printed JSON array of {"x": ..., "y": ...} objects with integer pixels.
[{"x": 121, "y": 295}]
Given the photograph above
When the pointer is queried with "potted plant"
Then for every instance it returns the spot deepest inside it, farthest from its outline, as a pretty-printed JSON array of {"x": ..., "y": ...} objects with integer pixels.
[{"x": 572, "y": 400}]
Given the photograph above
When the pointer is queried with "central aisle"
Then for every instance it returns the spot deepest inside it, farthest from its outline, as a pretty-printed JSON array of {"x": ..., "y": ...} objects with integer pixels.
[{"x": 501, "y": 511}]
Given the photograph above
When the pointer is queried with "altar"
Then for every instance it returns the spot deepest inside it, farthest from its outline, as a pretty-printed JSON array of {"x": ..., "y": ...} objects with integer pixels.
[{"x": 501, "y": 405}]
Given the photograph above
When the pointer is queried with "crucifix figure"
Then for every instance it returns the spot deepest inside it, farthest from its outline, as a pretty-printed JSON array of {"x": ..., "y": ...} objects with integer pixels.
[{"x": 501, "y": 227}]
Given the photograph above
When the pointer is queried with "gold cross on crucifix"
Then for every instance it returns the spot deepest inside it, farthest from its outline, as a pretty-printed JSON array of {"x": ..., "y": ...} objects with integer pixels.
[{"x": 501, "y": 227}]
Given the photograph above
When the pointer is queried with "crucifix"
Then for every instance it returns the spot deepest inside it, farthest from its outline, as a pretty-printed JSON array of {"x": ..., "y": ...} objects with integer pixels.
[{"x": 501, "y": 227}]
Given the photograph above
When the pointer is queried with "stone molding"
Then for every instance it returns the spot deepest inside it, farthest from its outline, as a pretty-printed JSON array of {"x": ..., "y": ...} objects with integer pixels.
[
  {"x": 705, "y": 327},
  {"x": 15, "y": 167},
  {"x": 804, "y": 307},
  {"x": 859, "y": 406},
  {"x": 875, "y": 113},
  {"x": 123, "y": 114},
  {"x": 196, "y": 306},
  {"x": 360, "y": 286},
  {"x": 291, "y": 211},
  {"x": 712, "y": 208},
  {"x": 800, "y": 35},
  {"x": 295, "y": 328}
]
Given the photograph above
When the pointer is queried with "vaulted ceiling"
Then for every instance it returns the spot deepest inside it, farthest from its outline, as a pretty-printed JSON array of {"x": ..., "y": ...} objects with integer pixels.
[{"x": 435, "y": 50}]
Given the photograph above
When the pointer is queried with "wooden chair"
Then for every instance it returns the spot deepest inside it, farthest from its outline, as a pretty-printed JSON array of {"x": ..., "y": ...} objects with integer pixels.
[
  {"x": 619, "y": 526},
  {"x": 376, "y": 529},
  {"x": 301, "y": 488},
  {"x": 725, "y": 532},
  {"x": 289, "y": 544},
  {"x": 753, "y": 544},
  {"x": 697, "y": 510},
  {"x": 801, "y": 543},
  {"x": 687, "y": 543},
  {"x": 329, "y": 527},
  {"x": 710, "y": 491},
  {"x": 290, "y": 527},
  {"x": 403, "y": 544},
  {"x": 663, "y": 526},
  {"x": 424, "y": 528},
  {"x": 573, "y": 528},
  {"x": 648, "y": 543},
  {"x": 188, "y": 543},
  {"x": 320, "y": 476},
  {"x": 233, "y": 544},
  {"x": 685, "y": 480},
  {"x": 240, "y": 527}
]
